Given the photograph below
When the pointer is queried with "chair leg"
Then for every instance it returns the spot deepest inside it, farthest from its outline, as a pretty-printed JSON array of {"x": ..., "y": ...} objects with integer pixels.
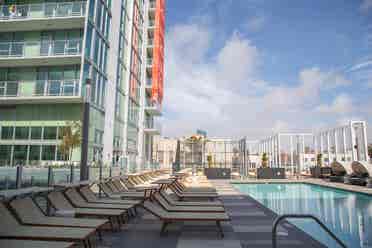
[
  {"x": 135, "y": 210},
  {"x": 111, "y": 219},
  {"x": 219, "y": 227},
  {"x": 99, "y": 234},
  {"x": 163, "y": 227}
]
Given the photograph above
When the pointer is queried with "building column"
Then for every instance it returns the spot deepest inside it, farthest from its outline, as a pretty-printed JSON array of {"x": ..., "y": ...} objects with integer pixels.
[
  {"x": 279, "y": 157},
  {"x": 353, "y": 144},
  {"x": 328, "y": 148},
  {"x": 336, "y": 143},
  {"x": 344, "y": 143},
  {"x": 365, "y": 141},
  {"x": 291, "y": 151}
]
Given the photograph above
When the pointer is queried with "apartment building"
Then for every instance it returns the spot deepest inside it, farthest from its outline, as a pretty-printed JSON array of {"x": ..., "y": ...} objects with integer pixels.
[{"x": 48, "y": 51}]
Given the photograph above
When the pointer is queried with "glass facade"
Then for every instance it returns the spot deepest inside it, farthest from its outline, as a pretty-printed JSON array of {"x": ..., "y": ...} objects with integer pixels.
[{"x": 70, "y": 55}]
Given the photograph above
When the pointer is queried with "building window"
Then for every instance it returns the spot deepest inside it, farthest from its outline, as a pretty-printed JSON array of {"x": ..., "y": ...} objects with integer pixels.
[
  {"x": 21, "y": 133},
  {"x": 7, "y": 133},
  {"x": 36, "y": 133},
  {"x": 50, "y": 133},
  {"x": 20, "y": 154},
  {"x": 34, "y": 154},
  {"x": 5, "y": 152},
  {"x": 48, "y": 153}
]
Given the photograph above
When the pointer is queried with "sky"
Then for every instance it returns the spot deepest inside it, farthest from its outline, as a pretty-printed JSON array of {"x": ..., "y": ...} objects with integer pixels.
[{"x": 252, "y": 68}]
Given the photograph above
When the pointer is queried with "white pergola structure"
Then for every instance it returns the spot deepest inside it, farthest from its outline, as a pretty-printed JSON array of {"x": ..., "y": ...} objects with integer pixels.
[
  {"x": 298, "y": 151},
  {"x": 286, "y": 149},
  {"x": 345, "y": 143}
]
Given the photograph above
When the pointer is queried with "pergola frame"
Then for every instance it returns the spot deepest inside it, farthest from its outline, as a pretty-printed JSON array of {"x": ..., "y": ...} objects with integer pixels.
[{"x": 353, "y": 135}]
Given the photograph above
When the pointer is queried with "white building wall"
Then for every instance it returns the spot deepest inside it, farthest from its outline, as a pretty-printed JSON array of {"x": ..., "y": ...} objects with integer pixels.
[{"x": 111, "y": 83}]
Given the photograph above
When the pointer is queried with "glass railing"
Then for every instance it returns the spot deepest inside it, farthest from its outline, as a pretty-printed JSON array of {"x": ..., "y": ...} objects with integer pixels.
[
  {"x": 57, "y": 88},
  {"x": 153, "y": 125},
  {"x": 42, "y": 10},
  {"x": 8, "y": 177},
  {"x": 39, "y": 88},
  {"x": 150, "y": 62},
  {"x": 30, "y": 49},
  {"x": 8, "y": 89},
  {"x": 152, "y": 4},
  {"x": 151, "y": 23}
]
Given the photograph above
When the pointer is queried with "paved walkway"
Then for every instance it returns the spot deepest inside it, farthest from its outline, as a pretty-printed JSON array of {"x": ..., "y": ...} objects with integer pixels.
[{"x": 250, "y": 226}]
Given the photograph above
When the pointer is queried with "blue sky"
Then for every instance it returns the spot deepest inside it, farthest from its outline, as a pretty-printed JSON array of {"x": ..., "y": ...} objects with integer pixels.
[{"x": 254, "y": 67}]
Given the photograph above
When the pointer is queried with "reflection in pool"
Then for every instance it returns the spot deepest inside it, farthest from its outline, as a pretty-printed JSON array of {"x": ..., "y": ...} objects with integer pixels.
[{"x": 347, "y": 214}]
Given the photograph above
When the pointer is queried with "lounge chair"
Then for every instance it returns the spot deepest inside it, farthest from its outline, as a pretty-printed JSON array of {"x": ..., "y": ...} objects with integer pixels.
[
  {"x": 10, "y": 228},
  {"x": 120, "y": 195},
  {"x": 192, "y": 189},
  {"x": 89, "y": 195},
  {"x": 169, "y": 217},
  {"x": 59, "y": 202},
  {"x": 18, "y": 243},
  {"x": 173, "y": 202},
  {"x": 183, "y": 196},
  {"x": 30, "y": 214},
  {"x": 78, "y": 201},
  {"x": 195, "y": 209}
]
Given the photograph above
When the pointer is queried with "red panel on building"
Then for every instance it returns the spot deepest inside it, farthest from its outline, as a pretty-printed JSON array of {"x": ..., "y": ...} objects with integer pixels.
[{"x": 158, "y": 55}]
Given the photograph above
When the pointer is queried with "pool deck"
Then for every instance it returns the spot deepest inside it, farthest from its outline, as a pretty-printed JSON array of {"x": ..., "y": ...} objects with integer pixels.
[
  {"x": 250, "y": 227},
  {"x": 321, "y": 182}
]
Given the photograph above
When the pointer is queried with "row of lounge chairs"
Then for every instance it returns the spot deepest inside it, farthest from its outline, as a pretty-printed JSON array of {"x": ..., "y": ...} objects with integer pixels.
[
  {"x": 355, "y": 173},
  {"x": 83, "y": 216}
]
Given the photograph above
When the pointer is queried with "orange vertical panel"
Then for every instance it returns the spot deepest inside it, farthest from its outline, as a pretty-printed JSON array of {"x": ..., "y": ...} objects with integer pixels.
[{"x": 158, "y": 53}]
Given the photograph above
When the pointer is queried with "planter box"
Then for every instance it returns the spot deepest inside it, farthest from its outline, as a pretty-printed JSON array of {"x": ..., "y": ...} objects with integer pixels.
[
  {"x": 217, "y": 173},
  {"x": 270, "y": 173}
]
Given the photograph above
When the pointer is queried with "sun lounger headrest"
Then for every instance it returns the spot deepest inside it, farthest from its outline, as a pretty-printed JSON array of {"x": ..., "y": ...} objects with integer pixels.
[
  {"x": 7, "y": 219},
  {"x": 26, "y": 209},
  {"x": 59, "y": 201}
]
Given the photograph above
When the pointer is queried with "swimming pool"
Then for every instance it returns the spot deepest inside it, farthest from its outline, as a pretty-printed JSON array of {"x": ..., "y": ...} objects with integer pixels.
[{"x": 347, "y": 214}]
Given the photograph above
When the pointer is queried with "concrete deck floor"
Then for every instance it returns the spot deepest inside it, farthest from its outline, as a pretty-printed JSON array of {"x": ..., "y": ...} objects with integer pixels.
[{"x": 250, "y": 226}]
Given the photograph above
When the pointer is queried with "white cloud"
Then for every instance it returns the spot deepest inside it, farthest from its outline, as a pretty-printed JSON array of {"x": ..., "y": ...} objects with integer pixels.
[
  {"x": 366, "y": 5},
  {"x": 361, "y": 66},
  {"x": 342, "y": 104},
  {"x": 220, "y": 89},
  {"x": 255, "y": 23}
]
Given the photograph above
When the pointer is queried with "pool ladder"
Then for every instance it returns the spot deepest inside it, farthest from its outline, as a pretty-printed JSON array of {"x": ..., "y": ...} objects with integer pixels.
[{"x": 302, "y": 216}]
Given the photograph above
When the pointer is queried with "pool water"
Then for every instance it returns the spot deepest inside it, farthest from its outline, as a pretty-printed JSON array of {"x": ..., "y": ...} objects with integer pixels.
[{"x": 347, "y": 214}]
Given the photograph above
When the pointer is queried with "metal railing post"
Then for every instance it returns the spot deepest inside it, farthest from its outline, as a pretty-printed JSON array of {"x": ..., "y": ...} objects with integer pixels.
[
  {"x": 302, "y": 216},
  {"x": 50, "y": 176},
  {"x": 71, "y": 173},
  {"x": 19, "y": 177}
]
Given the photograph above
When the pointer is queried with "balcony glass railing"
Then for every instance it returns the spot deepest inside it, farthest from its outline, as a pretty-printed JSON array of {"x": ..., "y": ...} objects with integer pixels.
[
  {"x": 152, "y": 4},
  {"x": 40, "y": 88},
  {"x": 151, "y": 23},
  {"x": 42, "y": 10},
  {"x": 9, "y": 89},
  {"x": 29, "y": 49},
  {"x": 57, "y": 88},
  {"x": 149, "y": 62}
]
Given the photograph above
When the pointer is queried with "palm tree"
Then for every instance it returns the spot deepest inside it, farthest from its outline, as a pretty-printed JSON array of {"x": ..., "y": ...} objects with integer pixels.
[
  {"x": 71, "y": 138},
  {"x": 265, "y": 160},
  {"x": 319, "y": 160}
]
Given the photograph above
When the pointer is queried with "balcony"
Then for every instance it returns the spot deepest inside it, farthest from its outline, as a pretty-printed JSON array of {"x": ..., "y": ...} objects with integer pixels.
[
  {"x": 42, "y": 16},
  {"x": 39, "y": 91},
  {"x": 152, "y": 5},
  {"x": 40, "y": 53},
  {"x": 151, "y": 24},
  {"x": 149, "y": 62},
  {"x": 152, "y": 108},
  {"x": 148, "y": 86},
  {"x": 152, "y": 128}
]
